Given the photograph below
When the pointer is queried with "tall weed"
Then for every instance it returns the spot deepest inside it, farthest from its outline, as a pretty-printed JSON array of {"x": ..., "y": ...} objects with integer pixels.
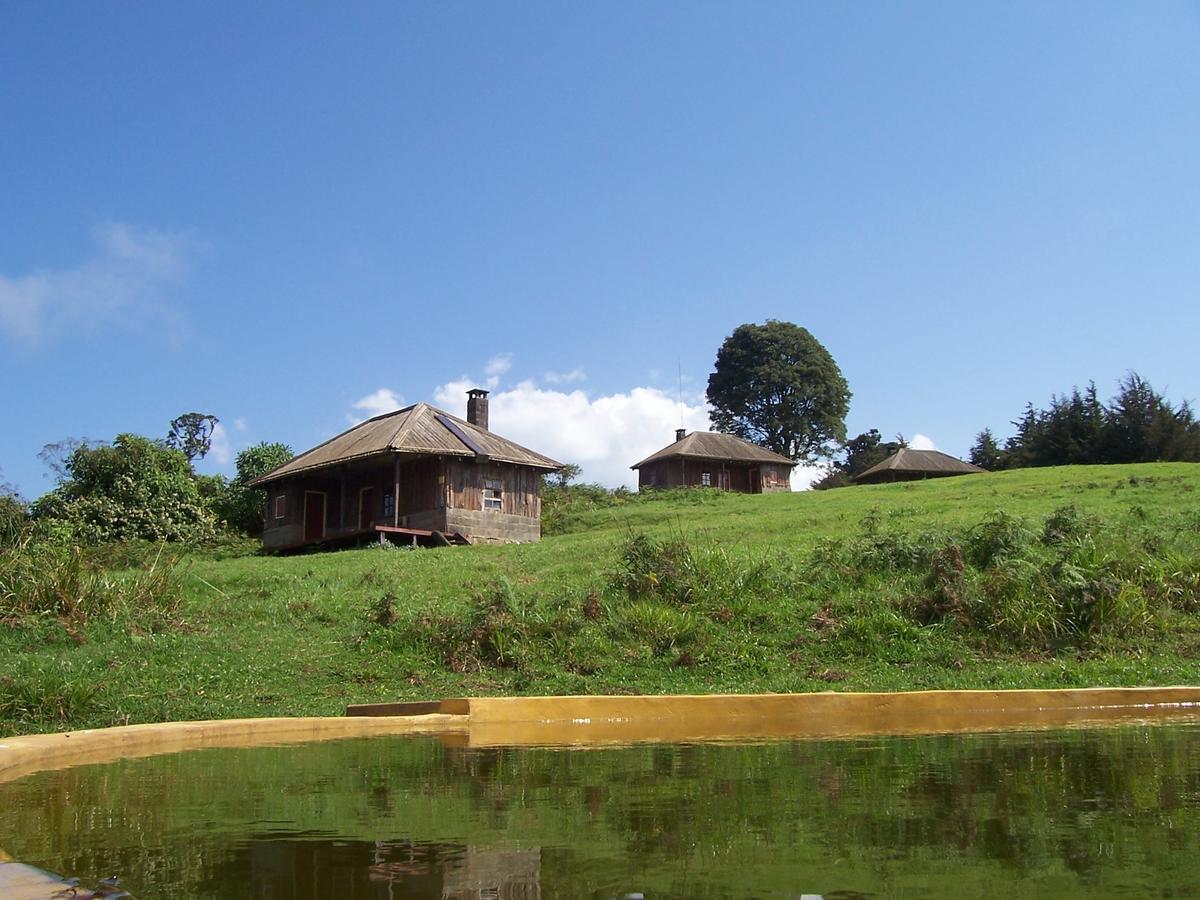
[{"x": 44, "y": 578}]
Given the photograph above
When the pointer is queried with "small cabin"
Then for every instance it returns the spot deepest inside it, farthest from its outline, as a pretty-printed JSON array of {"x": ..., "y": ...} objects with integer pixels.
[
  {"x": 907, "y": 464},
  {"x": 417, "y": 475},
  {"x": 721, "y": 461}
]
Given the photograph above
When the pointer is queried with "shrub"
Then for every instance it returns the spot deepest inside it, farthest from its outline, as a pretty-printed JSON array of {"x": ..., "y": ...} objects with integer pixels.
[
  {"x": 136, "y": 488},
  {"x": 12, "y": 519}
]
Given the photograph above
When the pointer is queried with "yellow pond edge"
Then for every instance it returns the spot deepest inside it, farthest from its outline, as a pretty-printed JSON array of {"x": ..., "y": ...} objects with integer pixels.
[{"x": 599, "y": 720}]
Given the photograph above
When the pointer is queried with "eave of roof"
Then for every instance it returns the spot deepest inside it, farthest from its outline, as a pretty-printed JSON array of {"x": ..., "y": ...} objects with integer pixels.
[
  {"x": 909, "y": 460},
  {"x": 419, "y": 429},
  {"x": 718, "y": 447}
]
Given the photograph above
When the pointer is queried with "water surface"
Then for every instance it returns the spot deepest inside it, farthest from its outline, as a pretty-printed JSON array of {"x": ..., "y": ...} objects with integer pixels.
[{"x": 1034, "y": 814}]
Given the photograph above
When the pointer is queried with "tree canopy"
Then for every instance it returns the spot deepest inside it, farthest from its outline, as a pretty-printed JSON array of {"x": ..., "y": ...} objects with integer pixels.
[
  {"x": 241, "y": 506},
  {"x": 192, "y": 434},
  {"x": 777, "y": 386},
  {"x": 1137, "y": 425},
  {"x": 135, "y": 488},
  {"x": 859, "y": 454}
]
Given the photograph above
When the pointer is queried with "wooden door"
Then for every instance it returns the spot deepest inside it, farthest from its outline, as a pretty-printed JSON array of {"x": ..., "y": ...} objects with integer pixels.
[
  {"x": 314, "y": 515},
  {"x": 755, "y": 481},
  {"x": 366, "y": 508}
]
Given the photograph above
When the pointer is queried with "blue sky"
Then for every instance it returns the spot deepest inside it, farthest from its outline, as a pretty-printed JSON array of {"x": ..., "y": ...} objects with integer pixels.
[{"x": 292, "y": 216}]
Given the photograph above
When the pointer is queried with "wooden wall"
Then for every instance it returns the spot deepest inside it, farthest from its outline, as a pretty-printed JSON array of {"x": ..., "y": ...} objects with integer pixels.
[
  {"x": 521, "y": 487},
  {"x": 672, "y": 473},
  {"x": 428, "y": 487}
]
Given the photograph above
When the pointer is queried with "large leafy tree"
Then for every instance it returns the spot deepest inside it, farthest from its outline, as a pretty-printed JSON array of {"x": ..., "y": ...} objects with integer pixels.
[
  {"x": 135, "y": 488},
  {"x": 241, "y": 506},
  {"x": 776, "y": 385}
]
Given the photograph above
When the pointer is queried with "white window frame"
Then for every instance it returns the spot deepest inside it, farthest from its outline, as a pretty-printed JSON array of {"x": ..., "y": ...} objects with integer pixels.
[
  {"x": 493, "y": 495},
  {"x": 706, "y": 479},
  {"x": 281, "y": 506}
]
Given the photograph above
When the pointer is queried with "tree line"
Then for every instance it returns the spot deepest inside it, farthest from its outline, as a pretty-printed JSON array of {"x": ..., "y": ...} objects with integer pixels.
[
  {"x": 140, "y": 488},
  {"x": 1138, "y": 424}
]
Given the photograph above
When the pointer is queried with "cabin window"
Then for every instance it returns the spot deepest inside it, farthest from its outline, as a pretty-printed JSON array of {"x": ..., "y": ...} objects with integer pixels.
[
  {"x": 389, "y": 505},
  {"x": 493, "y": 495},
  {"x": 706, "y": 479},
  {"x": 281, "y": 506}
]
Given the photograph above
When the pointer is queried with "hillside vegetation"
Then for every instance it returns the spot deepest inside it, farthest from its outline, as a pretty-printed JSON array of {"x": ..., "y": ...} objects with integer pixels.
[{"x": 1073, "y": 576}]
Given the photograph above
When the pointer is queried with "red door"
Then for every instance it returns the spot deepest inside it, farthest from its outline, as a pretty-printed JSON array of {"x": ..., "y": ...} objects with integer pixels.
[{"x": 314, "y": 515}]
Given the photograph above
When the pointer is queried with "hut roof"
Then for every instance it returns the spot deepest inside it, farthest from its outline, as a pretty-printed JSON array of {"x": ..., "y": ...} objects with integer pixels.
[
  {"x": 711, "y": 445},
  {"x": 420, "y": 429},
  {"x": 929, "y": 462}
]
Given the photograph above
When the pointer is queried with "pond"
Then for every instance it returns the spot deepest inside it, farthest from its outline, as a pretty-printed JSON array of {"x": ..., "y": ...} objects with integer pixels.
[{"x": 1096, "y": 812}]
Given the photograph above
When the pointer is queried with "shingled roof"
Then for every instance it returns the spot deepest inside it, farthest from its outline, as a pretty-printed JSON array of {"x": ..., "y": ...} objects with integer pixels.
[
  {"x": 920, "y": 462},
  {"x": 420, "y": 429},
  {"x": 711, "y": 445}
]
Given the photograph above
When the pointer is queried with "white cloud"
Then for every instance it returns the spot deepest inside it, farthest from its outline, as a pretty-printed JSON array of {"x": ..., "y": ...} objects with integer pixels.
[
  {"x": 384, "y": 400},
  {"x": 604, "y": 435},
  {"x": 497, "y": 366},
  {"x": 123, "y": 281},
  {"x": 239, "y": 424},
  {"x": 803, "y": 476},
  {"x": 220, "y": 450},
  {"x": 921, "y": 442},
  {"x": 564, "y": 377}
]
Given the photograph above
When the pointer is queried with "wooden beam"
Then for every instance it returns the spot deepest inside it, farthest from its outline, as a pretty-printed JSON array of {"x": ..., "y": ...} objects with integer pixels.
[{"x": 396, "y": 496}]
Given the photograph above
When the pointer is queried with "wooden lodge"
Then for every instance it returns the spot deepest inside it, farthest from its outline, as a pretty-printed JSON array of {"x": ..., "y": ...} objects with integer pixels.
[
  {"x": 721, "y": 461},
  {"x": 907, "y": 464},
  {"x": 416, "y": 475}
]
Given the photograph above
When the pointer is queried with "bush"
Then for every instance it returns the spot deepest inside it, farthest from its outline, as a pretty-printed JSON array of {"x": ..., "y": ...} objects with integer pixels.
[
  {"x": 1002, "y": 582},
  {"x": 13, "y": 517},
  {"x": 242, "y": 507},
  {"x": 134, "y": 489}
]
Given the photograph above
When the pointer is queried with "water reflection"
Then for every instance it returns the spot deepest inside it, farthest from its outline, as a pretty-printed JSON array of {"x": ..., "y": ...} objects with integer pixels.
[
  {"x": 274, "y": 867},
  {"x": 1047, "y": 814}
]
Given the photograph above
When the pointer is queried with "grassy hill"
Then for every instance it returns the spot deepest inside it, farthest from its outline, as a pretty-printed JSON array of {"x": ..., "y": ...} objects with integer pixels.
[{"x": 1045, "y": 577}]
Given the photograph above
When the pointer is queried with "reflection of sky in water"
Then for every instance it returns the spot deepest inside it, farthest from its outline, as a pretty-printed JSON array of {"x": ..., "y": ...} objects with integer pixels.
[{"x": 1052, "y": 813}]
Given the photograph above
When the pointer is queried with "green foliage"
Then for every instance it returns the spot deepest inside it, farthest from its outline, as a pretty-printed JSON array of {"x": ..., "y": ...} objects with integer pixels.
[
  {"x": 1090, "y": 576},
  {"x": 859, "y": 454},
  {"x": 564, "y": 476},
  {"x": 52, "y": 695},
  {"x": 134, "y": 489},
  {"x": 13, "y": 516},
  {"x": 985, "y": 453},
  {"x": 242, "y": 507},
  {"x": 56, "y": 581},
  {"x": 1005, "y": 584},
  {"x": 563, "y": 504},
  {"x": 776, "y": 385},
  {"x": 191, "y": 434},
  {"x": 1137, "y": 425}
]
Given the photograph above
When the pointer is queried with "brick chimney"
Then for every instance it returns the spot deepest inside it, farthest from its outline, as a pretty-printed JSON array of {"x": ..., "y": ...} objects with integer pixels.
[
  {"x": 477, "y": 408},
  {"x": 680, "y": 434}
]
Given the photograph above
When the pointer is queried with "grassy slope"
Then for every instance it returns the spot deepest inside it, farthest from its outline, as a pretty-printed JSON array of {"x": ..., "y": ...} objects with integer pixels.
[{"x": 302, "y": 635}]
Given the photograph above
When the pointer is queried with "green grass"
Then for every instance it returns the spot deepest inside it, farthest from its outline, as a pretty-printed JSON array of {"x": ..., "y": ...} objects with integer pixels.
[{"x": 1036, "y": 578}]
